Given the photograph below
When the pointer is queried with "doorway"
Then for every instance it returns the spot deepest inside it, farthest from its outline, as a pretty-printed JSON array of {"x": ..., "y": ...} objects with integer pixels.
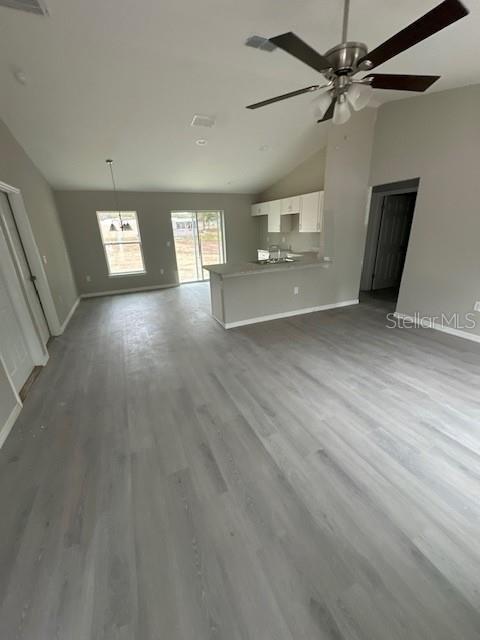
[
  {"x": 199, "y": 238},
  {"x": 390, "y": 221}
]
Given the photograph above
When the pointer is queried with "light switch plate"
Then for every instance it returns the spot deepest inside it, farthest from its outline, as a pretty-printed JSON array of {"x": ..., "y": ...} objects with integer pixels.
[{"x": 477, "y": 306}]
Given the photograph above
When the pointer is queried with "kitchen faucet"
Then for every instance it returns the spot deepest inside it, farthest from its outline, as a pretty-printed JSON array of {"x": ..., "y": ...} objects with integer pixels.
[{"x": 274, "y": 248}]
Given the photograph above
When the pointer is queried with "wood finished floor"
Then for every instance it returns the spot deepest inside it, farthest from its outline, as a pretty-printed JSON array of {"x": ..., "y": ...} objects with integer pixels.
[{"x": 303, "y": 479}]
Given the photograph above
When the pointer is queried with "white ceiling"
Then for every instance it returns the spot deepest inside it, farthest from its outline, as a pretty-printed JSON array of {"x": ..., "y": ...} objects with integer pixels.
[{"x": 123, "y": 78}]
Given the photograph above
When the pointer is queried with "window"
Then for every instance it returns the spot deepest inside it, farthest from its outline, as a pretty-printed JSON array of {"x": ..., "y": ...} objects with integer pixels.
[{"x": 121, "y": 241}]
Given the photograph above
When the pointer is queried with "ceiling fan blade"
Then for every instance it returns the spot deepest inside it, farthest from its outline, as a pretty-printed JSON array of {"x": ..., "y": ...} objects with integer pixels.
[
  {"x": 435, "y": 20},
  {"x": 329, "y": 112},
  {"x": 292, "y": 94},
  {"x": 401, "y": 82},
  {"x": 296, "y": 47}
]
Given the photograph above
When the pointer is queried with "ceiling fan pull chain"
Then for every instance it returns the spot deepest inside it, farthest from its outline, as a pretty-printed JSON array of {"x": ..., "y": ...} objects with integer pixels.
[{"x": 346, "y": 12}]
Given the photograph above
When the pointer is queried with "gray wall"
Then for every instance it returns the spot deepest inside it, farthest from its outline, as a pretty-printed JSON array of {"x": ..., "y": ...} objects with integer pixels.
[
  {"x": 78, "y": 216},
  {"x": 18, "y": 170},
  {"x": 307, "y": 177},
  {"x": 437, "y": 138},
  {"x": 347, "y": 172}
]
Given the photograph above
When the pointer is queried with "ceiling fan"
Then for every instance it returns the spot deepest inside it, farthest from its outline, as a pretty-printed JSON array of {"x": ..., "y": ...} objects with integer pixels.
[{"x": 340, "y": 64}]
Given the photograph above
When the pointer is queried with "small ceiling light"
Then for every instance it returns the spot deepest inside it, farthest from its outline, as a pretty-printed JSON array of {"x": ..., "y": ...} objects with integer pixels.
[
  {"x": 359, "y": 95},
  {"x": 201, "y": 142},
  {"x": 341, "y": 113}
]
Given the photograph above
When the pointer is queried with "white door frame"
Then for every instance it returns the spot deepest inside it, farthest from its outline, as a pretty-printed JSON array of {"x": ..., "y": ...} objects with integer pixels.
[
  {"x": 33, "y": 255},
  {"x": 7, "y": 426},
  {"x": 34, "y": 342}
]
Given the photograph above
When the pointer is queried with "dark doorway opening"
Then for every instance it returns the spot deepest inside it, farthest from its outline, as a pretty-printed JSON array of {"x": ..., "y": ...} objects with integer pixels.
[{"x": 389, "y": 225}]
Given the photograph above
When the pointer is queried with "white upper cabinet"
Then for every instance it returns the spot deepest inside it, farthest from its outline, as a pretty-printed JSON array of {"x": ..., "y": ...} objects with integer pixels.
[
  {"x": 311, "y": 212},
  {"x": 260, "y": 209},
  {"x": 290, "y": 205},
  {"x": 279, "y": 212},
  {"x": 277, "y": 223},
  {"x": 274, "y": 216}
]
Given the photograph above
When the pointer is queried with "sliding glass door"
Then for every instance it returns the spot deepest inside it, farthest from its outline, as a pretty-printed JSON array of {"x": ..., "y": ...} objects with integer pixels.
[{"x": 199, "y": 240}]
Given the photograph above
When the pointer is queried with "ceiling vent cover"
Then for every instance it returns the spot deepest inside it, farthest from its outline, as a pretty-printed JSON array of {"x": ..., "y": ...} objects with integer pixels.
[
  {"x": 259, "y": 42},
  {"x": 202, "y": 121},
  {"x": 31, "y": 6}
]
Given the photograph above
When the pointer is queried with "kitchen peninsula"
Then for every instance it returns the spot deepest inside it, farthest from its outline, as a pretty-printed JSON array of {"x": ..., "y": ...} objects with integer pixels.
[{"x": 249, "y": 292}]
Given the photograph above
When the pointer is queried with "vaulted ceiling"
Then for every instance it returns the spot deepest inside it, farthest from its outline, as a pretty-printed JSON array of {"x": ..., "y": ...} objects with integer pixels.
[{"x": 123, "y": 78}]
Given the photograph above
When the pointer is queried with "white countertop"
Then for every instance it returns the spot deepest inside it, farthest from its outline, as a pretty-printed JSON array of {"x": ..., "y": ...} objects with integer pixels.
[{"x": 235, "y": 269}]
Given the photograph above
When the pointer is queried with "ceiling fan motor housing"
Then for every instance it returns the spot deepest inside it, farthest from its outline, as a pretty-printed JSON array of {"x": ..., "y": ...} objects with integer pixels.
[{"x": 344, "y": 57}]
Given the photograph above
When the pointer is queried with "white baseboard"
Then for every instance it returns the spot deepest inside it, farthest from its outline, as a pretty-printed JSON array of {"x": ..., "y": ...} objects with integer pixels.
[
  {"x": 114, "y": 292},
  {"x": 69, "y": 317},
  {"x": 287, "y": 314},
  {"x": 428, "y": 324},
  {"x": 7, "y": 427}
]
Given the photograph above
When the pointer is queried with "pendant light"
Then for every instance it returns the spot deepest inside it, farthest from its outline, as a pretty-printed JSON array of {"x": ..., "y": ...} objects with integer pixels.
[{"x": 124, "y": 226}]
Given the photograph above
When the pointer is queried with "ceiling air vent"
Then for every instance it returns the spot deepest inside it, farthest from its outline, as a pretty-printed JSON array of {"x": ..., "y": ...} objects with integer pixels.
[
  {"x": 202, "y": 121},
  {"x": 32, "y": 6},
  {"x": 259, "y": 42}
]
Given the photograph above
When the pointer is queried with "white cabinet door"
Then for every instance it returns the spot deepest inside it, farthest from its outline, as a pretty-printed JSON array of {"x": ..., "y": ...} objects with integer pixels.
[
  {"x": 290, "y": 205},
  {"x": 311, "y": 212},
  {"x": 274, "y": 220},
  {"x": 13, "y": 238},
  {"x": 13, "y": 344},
  {"x": 260, "y": 208}
]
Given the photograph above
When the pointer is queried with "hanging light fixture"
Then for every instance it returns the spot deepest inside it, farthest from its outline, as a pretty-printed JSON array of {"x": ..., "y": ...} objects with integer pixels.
[
  {"x": 359, "y": 95},
  {"x": 341, "y": 113},
  {"x": 124, "y": 226}
]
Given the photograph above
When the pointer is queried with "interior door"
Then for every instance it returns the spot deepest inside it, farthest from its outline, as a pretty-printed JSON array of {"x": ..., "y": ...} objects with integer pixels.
[
  {"x": 397, "y": 215},
  {"x": 7, "y": 221},
  {"x": 13, "y": 344}
]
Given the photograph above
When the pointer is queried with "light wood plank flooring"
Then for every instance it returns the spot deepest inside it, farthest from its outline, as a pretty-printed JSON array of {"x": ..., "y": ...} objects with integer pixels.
[{"x": 316, "y": 478}]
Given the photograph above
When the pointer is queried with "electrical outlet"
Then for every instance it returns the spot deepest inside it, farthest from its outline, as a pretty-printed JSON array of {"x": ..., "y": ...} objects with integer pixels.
[
  {"x": 168, "y": 243},
  {"x": 283, "y": 240},
  {"x": 162, "y": 271},
  {"x": 88, "y": 278},
  {"x": 477, "y": 306},
  {"x": 296, "y": 291}
]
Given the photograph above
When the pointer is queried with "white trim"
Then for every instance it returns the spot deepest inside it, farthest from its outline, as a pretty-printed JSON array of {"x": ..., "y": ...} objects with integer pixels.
[
  {"x": 34, "y": 343},
  {"x": 287, "y": 314},
  {"x": 114, "y": 292},
  {"x": 428, "y": 324},
  {"x": 69, "y": 317},
  {"x": 34, "y": 258},
  {"x": 7, "y": 427}
]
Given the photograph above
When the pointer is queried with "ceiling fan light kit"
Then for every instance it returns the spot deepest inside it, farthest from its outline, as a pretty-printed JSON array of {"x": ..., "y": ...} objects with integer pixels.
[{"x": 341, "y": 63}]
